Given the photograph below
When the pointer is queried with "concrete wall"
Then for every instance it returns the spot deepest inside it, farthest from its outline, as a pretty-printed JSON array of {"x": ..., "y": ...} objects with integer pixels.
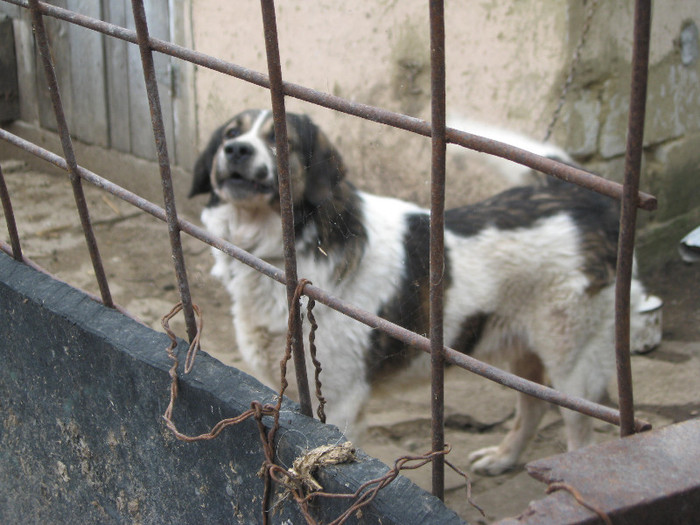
[
  {"x": 82, "y": 392},
  {"x": 504, "y": 61},
  {"x": 506, "y": 64},
  {"x": 594, "y": 119}
]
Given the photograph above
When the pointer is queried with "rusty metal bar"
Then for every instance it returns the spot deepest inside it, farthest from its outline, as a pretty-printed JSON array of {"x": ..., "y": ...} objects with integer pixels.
[
  {"x": 628, "y": 212},
  {"x": 562, "y": 171},
  {"x": 10, "y": 219},
  {"x": 285, "y": 189},
  {"x": 149, "y": 74},
  {"x": 437, "y": 240},
  {"x": 67, "y": 144},
  {"x": 406, "y": 336}
]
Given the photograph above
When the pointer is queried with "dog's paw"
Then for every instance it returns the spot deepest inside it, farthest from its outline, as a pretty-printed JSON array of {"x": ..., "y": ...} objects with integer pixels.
[{"x": 490, "y": 461}]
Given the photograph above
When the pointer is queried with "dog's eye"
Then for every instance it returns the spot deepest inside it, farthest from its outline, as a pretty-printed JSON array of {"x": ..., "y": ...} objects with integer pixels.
[
  {"x": 271, "y": 136},
  {"x": 232, "y": 133}
]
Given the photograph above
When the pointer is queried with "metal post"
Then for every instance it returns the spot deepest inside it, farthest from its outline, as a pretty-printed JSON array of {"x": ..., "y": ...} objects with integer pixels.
[
  {"x": 10, "y": 219},
  {"x": 67, "y": 144},
  {"x": 628, "y": 213},
  {"x": 437, "y": 241},
  {"x": 149, "y": 74},
  {"x": 285, "y": 189}
]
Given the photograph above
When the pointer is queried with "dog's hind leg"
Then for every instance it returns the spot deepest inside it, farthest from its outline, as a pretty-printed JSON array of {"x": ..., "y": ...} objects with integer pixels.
[
  {"x": 528, "y": 414},
  {"x": 344, "y": 408},
  {"x": 589, "y": 379}
]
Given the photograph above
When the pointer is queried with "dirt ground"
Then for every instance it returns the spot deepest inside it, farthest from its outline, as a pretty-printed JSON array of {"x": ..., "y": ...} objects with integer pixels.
[{"x": 136, "y": 255}]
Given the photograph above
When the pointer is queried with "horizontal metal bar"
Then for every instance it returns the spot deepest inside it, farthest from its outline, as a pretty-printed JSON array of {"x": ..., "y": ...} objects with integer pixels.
[
  {"x": 406, "y": 336},
  {"x": 500, "y": 149}
]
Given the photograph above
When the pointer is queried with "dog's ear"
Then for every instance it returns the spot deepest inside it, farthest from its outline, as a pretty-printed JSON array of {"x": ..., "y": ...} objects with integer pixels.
[
  {"x": 324, "y": 165},
  {"x": 201, "y": 182}
]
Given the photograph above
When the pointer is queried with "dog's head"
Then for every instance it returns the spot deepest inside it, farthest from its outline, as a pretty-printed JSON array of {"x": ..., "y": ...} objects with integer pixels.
[{"x": 239, "y": 165}]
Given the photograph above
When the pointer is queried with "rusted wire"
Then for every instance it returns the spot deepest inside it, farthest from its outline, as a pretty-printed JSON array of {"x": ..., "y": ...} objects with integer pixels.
[
  {"x": 195, "y": 343},
  {"x": 628, "y": 213},
  {"x": 285, "y": 190},
  {"x": 10, "y": 219},
  {"x": 368, "y": 491},
  {"x": 257, "y": 409},
  {"x": 149, "y": 74},
  {"x": 559, "y": 485},
  {"x": 363, "y": 496},
  {"x": 67, "y": 145},
  {"x": 320, "y": 411}
]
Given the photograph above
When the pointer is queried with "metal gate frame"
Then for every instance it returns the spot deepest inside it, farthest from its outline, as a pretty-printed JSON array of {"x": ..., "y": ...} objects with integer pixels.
[{"x": 628, "y": 193}]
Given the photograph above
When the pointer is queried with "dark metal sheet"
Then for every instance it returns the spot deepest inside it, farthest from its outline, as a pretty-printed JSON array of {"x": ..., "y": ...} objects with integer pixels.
[{"x": 648, "y": 478}]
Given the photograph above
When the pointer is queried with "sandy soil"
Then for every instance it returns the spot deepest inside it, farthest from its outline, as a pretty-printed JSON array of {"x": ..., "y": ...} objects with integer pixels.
[{"x": 136, "y": 255}]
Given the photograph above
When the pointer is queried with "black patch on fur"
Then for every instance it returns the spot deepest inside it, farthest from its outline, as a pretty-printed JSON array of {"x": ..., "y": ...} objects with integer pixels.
[
  {"x": 410, "y": 308},
  {"x": 201, "y": 182},
  {"x": 470, "y": 333},
  {"x": 596, "y": 216},
  {"x": 333, "y": 230},
  {"x": 330, "y": 206},
  {"x": 323, "y": 164}
]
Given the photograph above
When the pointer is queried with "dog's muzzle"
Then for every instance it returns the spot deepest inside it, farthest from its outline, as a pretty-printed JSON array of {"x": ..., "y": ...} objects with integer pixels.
[{"x": 240, "y": 173}]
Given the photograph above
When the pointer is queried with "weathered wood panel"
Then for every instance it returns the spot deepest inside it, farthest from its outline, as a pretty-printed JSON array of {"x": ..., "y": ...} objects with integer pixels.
[
  {"x": 9, "y": 92},
  {"x": 57, "y": 32},
  {"x": 101, "y": 79},
  {"x": 26, "y": 67},
  {"x": 142, "y": 141},
  {"x": 183, "y": 86},
  {"x": 88, "y": 90},
  {"x": 117, "y": 77}
]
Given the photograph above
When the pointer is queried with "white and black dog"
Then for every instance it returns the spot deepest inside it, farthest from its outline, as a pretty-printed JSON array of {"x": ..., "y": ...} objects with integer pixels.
[{"x": 529, "y": 275}]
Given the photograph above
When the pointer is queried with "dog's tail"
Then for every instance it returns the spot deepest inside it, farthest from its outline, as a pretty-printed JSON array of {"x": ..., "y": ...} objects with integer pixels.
[{"x": 514, "y": 174}]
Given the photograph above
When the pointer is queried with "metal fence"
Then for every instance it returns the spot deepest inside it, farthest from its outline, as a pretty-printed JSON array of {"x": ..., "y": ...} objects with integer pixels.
[{"x": 440, "y": 135}]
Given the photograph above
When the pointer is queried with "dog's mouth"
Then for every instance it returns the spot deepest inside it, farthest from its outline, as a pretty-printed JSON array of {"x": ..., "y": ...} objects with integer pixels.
[{"x": 240, "y": 185}]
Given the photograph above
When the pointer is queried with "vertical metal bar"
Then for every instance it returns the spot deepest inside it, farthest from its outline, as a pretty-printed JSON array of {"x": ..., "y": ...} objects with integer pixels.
[
  {"x": 149, "y": 74},
  {"x": 628, "y": 213},
  {"x": 67, "y": 144},
  {"x": 10, "y": 219},
  {"x": 437, "y": 241},
  {"x": 285, "y": 189}
]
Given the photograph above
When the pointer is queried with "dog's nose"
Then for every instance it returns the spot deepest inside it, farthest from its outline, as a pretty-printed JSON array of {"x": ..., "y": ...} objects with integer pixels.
[{"x": 238, "y": 151}]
